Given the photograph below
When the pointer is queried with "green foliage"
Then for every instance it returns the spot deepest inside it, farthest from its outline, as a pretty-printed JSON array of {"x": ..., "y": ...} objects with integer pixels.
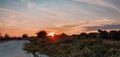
[
  {"x": 31, "y": 48},
  {"x": 75, "y": 47}
]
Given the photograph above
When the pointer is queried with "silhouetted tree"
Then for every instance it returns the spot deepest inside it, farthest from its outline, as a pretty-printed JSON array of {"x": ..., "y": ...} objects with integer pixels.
[
  {"x": 63, "y": 35},
  {"x": 115, "y": 35},
  {"x": 41, "y": 34},
  {"x": 99, "y": 30},
  {"x": 7, "y": 37},
  {"x": 0, "y": 35},
  {"x": 24, "y": 36},
  {"x": 92, "y": 35},
  {"x": 103, "y": 34},
  {"x": 84, "y": 35}
]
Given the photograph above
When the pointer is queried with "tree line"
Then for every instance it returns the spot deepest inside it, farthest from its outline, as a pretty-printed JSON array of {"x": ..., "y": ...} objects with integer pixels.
[{"x": 102, "y": 34}]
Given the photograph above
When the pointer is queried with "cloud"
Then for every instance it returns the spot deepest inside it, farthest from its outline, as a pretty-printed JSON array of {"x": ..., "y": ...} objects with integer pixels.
[
  {"x": 69, "y": 28},
  {"x": 66, "y": 30},
  {"x": 85, "y": 26},
  {"x": 95, "y": 2},
  {"x": 101, "y": 3},
  {"x": 58, "y": 15},
  {"x": 9, "y": 11},
  {"x": 29, "y": 5},
  {"x": 22, "y": 0},
  {"x": 72, "y": 25},
  {"x": 103, "y": 27},
  {"x": 103, "y": 20},
  {"x": 16, "y": 23}
]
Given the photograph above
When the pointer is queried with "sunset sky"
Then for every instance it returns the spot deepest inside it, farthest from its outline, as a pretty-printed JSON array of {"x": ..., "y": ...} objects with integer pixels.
[{"x": 69, "y": 16}]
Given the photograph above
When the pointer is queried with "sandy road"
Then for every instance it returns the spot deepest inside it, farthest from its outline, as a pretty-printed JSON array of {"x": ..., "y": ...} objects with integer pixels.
[{"x": 13, "y": 49}]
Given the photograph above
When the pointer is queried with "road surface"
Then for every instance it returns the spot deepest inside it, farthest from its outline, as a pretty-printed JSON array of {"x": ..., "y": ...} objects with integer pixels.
[{"x": 14, "y": 49}]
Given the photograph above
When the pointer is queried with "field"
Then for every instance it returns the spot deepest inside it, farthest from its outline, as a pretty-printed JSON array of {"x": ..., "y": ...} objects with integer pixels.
[{"x": 74, "y": 47}]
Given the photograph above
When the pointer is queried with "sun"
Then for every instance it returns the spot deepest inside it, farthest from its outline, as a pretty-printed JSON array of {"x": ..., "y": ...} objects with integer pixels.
[{"x": 51, "y": 34}]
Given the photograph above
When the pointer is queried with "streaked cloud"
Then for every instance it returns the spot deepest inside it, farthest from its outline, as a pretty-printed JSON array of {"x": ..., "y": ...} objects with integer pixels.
[
  {"x": 101, "y": 3},
  {"x": 69, "y": 16},
  {"x": 103, "y": 27}
]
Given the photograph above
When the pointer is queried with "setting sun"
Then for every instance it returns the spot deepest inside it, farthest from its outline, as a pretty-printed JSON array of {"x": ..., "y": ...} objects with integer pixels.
[{"x": 51, "y": 34}]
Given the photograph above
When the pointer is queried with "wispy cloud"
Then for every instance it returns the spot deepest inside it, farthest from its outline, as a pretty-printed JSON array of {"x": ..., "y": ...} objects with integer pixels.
[
  {"x": 70, "y": 16},
  {"x": 101, "y": 3},
  {"x": 17, "y": 23},
  {"x": 103, "y": 27}
]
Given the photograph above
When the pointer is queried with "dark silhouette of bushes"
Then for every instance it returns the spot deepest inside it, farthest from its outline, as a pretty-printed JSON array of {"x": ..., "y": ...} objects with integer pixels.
[
  {"x": 84, "y": 35},
  {"x": 71, "y": 46},
  {"x": 63, "y": 35},
  {"x": 92, "y": 35},
  {"x": 7, "y": 36},
  {"x": 41, "y": 34},
  {"x": 97, "y": 44},
  {"x": 115, "y": 35},
  {"x": 1, "y": 36},
  {"x": 103, "y": 34},
  {"x": 78, "y": 45},
  {"x": 111, "y": 35},
  {"x": 25, "y": 36}
]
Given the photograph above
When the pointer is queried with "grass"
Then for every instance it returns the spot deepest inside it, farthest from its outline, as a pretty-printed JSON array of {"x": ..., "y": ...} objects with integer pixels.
[{"x": 75, "y": 47}]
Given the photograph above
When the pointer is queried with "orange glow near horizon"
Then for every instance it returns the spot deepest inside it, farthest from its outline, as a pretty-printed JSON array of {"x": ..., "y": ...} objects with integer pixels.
[{"x": 51, "y": 34}]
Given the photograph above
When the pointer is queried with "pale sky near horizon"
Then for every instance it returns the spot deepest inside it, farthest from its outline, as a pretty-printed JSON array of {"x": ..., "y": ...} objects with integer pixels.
[{"x": 19, "y": 17}]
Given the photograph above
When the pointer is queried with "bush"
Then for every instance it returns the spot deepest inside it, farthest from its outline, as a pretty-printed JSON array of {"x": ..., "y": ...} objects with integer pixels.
[{"x": 75, "y": 47}]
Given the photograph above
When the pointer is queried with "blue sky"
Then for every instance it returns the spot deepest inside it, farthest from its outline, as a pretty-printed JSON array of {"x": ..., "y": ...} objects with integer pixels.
[{"x": 70, "y": 16}]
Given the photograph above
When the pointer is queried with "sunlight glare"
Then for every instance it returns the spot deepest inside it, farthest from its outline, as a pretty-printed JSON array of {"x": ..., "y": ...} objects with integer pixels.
[{"x": 51, "y": 34}]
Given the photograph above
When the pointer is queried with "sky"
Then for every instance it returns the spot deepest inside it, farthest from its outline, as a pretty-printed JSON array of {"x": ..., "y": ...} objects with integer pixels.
[{"x": 19, "y": 17}]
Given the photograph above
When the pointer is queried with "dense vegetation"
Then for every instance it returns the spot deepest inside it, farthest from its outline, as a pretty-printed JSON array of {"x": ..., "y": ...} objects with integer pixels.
[
  {"x": 114, "y": 35},
  {"x": 101, "y": 44},
  {"x": 6, "y": 37}
]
